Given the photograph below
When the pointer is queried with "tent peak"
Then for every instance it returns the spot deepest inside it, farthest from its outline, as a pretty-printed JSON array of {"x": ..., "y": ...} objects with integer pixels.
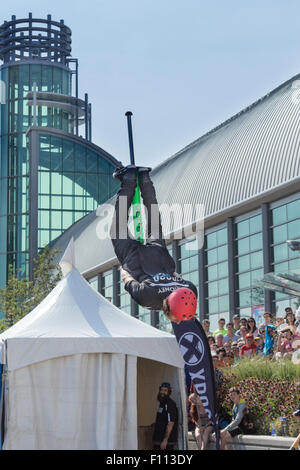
[{"x": 67, "y": 262}]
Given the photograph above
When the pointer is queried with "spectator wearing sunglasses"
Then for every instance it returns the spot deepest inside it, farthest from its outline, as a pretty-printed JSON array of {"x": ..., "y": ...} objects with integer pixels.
[
  {"x": 251, "y": 325},
  {"x": 290, "y": 319}
]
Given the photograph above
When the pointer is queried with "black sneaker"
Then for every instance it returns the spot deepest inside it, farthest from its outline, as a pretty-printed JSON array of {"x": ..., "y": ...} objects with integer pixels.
[
  {"x": 120, "y": 171},
  {"x": 143, "y": 168}
]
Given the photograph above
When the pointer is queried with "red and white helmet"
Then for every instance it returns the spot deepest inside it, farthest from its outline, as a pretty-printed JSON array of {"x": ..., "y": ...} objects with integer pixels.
[{"x": 182, "y": 303}]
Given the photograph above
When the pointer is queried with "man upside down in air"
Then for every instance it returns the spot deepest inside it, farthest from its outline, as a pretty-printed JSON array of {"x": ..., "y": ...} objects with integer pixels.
[{"x": 148, "y": 271}]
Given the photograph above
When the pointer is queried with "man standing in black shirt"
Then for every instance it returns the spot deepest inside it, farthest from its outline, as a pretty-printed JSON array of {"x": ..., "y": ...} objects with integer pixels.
[
  {"x": 148, "y": 271},
  {"x": 166, "y": 424}
]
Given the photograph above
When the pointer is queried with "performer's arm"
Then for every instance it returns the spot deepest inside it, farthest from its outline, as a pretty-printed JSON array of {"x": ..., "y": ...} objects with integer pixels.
[{"x": 125, "y": 276}]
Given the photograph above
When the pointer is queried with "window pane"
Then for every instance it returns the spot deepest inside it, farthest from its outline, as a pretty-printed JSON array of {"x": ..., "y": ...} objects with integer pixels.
[
  {"x": 222, "y": 236},
  {"x": 244, "y": 281},
  {"x": 280, "y": 252},
  {"x": 185, "y": 266},
  {"x": 223, "y": 269},
  {"x": 255, "y": 224},
  {"x": 280, "y": 233},
  {"x": 80, "y": 158},
  {"x": 67, "y": 185},
  {"x": 212, "y": 256},
  {"x": 245, "y": 298},
  {"x": 194, "y": 278},
  {"x": 294, "y": 265},
  {"x": 193, "y": 263},
  {"x": 56, "y": 183},
  {"x": 67, "y": 202},
  {"x": 213, "y": 289},
  {"x": 67, "y": 219},
  {"x": 55, "y": 220},
  {"x": 68, "y": 156},
  {"x": 223, "y": 303},
  {"x": 44, "y": 182},
  {"x": 293, "y": 209},
  {"x": 256, "y": 242},
  {"x": 279, "y": 215},
  {"x": 44, "y": 202},
  {"x": 294, "y": 229},
  {"x": 243, "y": 228},
  {"x": 222, "y": 253},
  {"x": 211, "y": 240},
  {"x": 56, "y": 202},
  {"x": 243, "y": 263},
  {"x": 213, "y": 305},
  {"x": 223, "y": 286},
  {"x": 256, "y": 275},
  {"x": 281, "y": 267},
  {"x": 256, "y": 259},
  {"x": 212, "y": 273},
  {"x": 91, "y": 162},
  {"x": 243, "y": 246}
]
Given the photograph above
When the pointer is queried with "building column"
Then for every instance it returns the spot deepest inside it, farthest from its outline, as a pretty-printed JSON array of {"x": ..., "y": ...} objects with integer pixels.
[
  {"x": 134, "y": 308},
  {"x": 115, "y": 273},
  {"x": 231, "y": 267},
  {"x": 100, "y": 283},
  {"x": 175, "y": 254},
  {"x": 266, "y": 233},
  {"x": 33, "y": 199},
  {"x": 202, "y": 287},
  {"x": 155, "y": 318}
]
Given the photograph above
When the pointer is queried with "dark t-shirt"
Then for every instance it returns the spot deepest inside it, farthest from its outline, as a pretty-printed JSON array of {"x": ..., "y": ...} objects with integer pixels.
[
  {"x": 166, "y": 413},
  {"x": 151, "y": 292}
]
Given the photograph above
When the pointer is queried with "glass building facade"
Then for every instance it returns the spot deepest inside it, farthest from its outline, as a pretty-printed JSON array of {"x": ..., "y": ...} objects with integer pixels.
[
  {"x": 231, "y": 260},
  {"x": 72, "y": 181},
  {"x": 49, "y": 176},
  {"x": 216, "y": 274},
  {"x": 249, "y": 264},
  {"x": 285, "y": 220}
]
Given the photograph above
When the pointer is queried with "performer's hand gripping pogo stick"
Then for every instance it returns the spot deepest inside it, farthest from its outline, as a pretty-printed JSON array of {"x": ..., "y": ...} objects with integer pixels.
[{"x": 136, "y": 202}]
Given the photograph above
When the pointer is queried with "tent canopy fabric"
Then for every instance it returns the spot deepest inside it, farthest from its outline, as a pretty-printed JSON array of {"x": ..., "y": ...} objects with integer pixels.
[
  {"x": 75, "y": 319},
  {"x": 73, "y": 375}
]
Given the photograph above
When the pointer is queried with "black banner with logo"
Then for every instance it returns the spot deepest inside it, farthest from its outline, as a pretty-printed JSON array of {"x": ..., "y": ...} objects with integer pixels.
[{"x": 196, "y": 354}]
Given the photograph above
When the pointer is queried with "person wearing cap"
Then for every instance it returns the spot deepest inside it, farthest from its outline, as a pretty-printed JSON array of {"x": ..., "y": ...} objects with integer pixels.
[
  {"x": 249, "y": 349},
  {"x": 148, "y": 270},
  {"x": 259, "y": 341},
  {"x": 166, "y": 423}
]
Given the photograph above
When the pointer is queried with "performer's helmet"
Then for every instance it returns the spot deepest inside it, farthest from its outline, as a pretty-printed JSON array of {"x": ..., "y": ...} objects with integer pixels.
[{"x": 182, "y": 303}]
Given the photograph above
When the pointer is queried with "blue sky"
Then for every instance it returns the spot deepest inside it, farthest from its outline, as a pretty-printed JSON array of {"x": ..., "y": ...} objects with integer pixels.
[{"x": 182, "y": 67}]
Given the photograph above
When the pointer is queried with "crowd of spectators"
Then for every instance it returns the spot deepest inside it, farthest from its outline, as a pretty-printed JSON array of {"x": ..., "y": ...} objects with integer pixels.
[{"x": 275, "y": 338}]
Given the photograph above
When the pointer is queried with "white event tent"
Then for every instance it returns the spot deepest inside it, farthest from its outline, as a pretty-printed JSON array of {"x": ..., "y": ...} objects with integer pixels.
[{"x": 82, "y": 374}]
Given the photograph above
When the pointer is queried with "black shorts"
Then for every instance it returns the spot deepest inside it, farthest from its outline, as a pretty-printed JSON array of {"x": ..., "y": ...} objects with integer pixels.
[{"x": 235, "y": 432}]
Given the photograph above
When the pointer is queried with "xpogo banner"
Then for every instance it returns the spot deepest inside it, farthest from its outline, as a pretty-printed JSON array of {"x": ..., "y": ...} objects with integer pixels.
[{"x": 196, "y": 354}]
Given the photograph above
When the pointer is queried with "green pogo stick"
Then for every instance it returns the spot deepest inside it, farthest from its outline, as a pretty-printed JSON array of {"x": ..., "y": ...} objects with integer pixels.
[{"x": 136, "y": 202}]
